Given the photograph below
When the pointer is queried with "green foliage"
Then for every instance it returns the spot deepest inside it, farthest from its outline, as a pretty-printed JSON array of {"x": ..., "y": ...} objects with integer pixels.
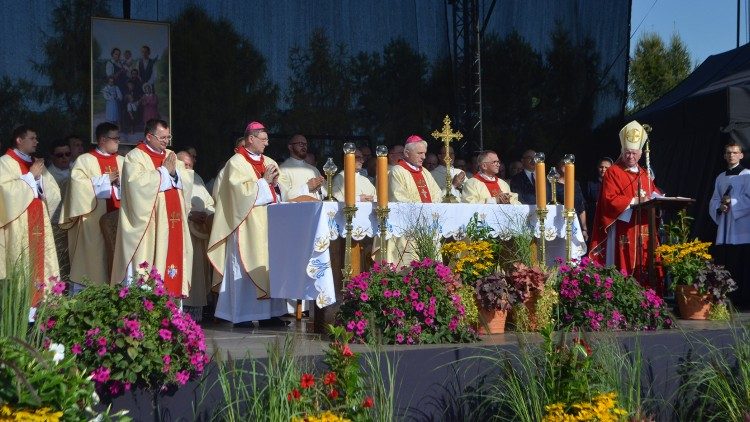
[
  {"x": 66, "y": 66},
  {"x": 656, "y": 68},
  {"x": 678, "y": 230},
  {"x": 32, "y": 379},
  {"x": 224, "y": 80},
  {"x": 13, "y": 107},
  {"x": 15, "y": 297}
]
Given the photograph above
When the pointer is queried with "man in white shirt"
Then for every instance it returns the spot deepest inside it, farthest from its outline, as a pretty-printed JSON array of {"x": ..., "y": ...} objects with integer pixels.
[
  {"x": 297, "y": 178},
  {"x": 458, "y": 176},
  {"x": 729, "y": 207}
]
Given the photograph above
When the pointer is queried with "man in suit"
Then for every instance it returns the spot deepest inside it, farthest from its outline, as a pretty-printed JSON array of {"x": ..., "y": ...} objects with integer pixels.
[{"x": 523, "y": 182}]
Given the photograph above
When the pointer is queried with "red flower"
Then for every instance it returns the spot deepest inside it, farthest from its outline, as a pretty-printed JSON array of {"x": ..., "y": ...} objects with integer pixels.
[
  {"x": 307, "y": 381},
  {"x": 346, "y": 351},
  {"x": 367, "y": 402},
  {"x": 294, "y": 395},
  {"x": 330, "y": 378},
  {"x": 333, "y": 394}
]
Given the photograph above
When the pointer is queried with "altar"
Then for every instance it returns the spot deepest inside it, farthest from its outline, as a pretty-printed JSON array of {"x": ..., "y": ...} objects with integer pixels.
[{"x": 302, "y": 235}]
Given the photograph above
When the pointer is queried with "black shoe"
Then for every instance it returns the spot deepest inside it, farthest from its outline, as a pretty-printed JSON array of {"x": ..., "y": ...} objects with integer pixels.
[
  {"x": 244, "y": 324},
  {"x": 273, "y": 322}
]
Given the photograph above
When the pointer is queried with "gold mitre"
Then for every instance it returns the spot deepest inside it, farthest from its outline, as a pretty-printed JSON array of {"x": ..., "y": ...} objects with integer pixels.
[{"x": 633, "y": 136}]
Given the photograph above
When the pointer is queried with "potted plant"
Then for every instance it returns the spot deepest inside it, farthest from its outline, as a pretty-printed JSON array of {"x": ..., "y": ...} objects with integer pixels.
[
  {"x": 709, "y": 290},
  {"x": 528, "y": 283},
  {"x": 495, "y": 296},
  {"x": 684, "y": 261}
]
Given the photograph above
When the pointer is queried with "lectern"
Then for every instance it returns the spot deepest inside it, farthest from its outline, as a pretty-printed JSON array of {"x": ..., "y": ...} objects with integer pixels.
[{"x": 651, "y": 207}]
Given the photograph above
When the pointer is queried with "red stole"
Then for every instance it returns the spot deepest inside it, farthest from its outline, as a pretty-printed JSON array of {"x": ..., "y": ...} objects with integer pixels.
[
  {"x": 108, "y": 164},
  {"x": 175, "y": 248},
  {"x": 35, "y": 215},
  {"x": 259, "y": 166},
  {"x": 424, "y": 191},
  {"x": 492, "y": 185}
]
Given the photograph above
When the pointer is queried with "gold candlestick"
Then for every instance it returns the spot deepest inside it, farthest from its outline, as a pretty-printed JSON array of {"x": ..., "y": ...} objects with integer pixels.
[
  {"x": 447, "y": 135},
  {"x": 330, "y": 169},
  {"x": 541, "y": 214},
  {"x": 382, "y": 215},
  {"x": 552, "y": 178},
  {"x": 347, "y": 270},
  {"x": 569, "y": 216}
]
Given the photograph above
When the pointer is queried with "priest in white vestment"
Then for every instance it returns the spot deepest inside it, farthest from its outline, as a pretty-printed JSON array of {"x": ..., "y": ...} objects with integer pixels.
[
  {"x": 93, "y": 190},
  {"x": 199, "y": 220},
  {"x": 153, "y": 227},
  {"x": 408, "y": 181},
  {"x": 297, "y": 177},
  {"x": 729, "y": 207},
  {"x": 26, "y": 241},
  {"x": 364, "y": 189},
  {"x": 238, "y": 245},
  {"x": 458, "y": 176},
  {"x": 486, "y": 187}
]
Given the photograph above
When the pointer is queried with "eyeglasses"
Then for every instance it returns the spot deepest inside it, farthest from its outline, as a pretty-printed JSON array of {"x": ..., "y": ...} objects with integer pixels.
[
  {"x": 114, "y": 138},
  {"x": 161, "y": 138},
  {"x": 62, "y": 154},
  {"x": 492, "y": 162}
]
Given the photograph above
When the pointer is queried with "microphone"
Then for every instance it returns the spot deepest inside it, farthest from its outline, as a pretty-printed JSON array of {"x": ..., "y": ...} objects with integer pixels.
[{"x": 724, "y": 198}]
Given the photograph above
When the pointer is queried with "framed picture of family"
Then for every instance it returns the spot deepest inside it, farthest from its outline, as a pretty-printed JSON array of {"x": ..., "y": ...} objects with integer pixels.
[{"x": 130, "y": 75}]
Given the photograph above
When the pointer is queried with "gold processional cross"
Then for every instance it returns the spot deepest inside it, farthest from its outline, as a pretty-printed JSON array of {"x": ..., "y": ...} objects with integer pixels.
[{"x": 447, "y": 135}]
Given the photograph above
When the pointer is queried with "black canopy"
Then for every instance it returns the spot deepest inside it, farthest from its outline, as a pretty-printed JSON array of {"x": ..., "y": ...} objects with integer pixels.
[{"x": 692, "y": 122}]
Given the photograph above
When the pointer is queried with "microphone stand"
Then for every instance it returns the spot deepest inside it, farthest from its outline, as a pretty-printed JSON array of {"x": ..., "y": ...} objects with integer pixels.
[{"x": 638, "y": 238}]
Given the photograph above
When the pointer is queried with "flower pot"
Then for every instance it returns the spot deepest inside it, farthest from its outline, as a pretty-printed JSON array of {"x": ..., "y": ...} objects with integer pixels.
[
  {"x": 692, "y": 305},
  {"x": 491, "y": 321}
]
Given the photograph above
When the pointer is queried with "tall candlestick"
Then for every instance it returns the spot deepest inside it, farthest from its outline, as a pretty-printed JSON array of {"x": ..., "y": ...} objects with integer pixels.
[
  {"x": 349, "y": 176},
  {"x": 539, "y": 177},
  {"x": 569, "y": 186},
  {"x": 382, "y": 175}
]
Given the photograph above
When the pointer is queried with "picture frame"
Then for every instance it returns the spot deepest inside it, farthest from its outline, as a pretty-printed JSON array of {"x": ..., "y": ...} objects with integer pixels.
[{"x": 131, "y": 76}]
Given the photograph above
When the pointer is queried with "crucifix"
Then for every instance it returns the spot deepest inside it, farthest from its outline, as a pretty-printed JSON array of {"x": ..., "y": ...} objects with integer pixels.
[
  {"x": 174, "y": 218},
  {"x": 447, "y": 135}
]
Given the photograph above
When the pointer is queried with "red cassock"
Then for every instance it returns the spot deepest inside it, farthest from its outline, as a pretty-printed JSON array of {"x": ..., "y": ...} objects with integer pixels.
[{"x": 619, "y": 187}]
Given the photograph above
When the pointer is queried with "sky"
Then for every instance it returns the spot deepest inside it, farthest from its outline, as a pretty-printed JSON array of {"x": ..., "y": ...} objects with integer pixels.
[{"x": 707, "y": 27}]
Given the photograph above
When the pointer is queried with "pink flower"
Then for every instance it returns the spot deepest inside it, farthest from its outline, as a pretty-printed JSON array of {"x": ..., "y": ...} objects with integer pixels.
[
  {"x": 364, "y": 297},
  {"x": 165, "y": 335},
  {"x": 182, "y": 377},
  {"x": 148, "y": 305},
  {"x": 167, "y": 359},
  {"x": 101, "y": 374},
  {"x": 102, "y": 341},
  {"x": 399, "y": 338},
  {"x": 76, "y": 349},
  {"x": 123, "y": 292},
  {"x": 51, "y": 323},
  {"x": 59, "y": 288},
  {"x": 159, "y": 290},
  {"x": 143, "y": 264},
  {"x": 102, "y": 351}
]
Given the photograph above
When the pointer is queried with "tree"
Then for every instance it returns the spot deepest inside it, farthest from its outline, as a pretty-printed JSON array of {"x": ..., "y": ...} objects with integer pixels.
[
  {"x": 320, "y": 89},
  {"x": 655, "y": 69},
  {"x": 67, "y": 64},
  {"x": 219, "y": 83},
  {"x": 13, "y": 110},
  {"x": 390, "y": 92}
]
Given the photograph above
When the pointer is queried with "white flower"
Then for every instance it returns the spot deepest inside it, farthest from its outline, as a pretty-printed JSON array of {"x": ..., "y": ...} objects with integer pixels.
[
  {"x": 59, "y": 350},
  {"x": 145, "y": 287},
  {"x": 94, "y": 398}
]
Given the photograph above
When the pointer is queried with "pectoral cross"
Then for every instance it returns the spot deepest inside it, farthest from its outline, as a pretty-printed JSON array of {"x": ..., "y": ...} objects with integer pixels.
[
  {"x": 447, "y": 135},
  {"x": 423, "y": 191},
  {"x": 109, "y": 169},
  {"x": 38, "y": 230},
  {"x": 174, "y": 218}
]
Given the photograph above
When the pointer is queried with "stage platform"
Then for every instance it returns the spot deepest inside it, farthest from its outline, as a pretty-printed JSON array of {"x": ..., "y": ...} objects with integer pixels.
[{"x": 429, "y": 378}]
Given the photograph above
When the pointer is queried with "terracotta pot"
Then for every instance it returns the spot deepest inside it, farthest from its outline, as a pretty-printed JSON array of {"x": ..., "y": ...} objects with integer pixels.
[
  {"x": 491, "y": 321},
  {"x": 692, "y": 305}
]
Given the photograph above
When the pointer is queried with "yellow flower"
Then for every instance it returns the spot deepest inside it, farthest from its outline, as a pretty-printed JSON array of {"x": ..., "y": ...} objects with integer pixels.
[
  {"x": 44, "y": 414},
  {"x": 326, "y": 416}
]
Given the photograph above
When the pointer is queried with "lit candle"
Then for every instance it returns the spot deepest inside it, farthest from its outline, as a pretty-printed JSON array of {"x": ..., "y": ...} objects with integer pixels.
[
  {"x": 569, "y": 186},
  {"x": 382, "y": 175},
  {"x": 539, "y": 178},
  {"x": 349, "y": 176}
]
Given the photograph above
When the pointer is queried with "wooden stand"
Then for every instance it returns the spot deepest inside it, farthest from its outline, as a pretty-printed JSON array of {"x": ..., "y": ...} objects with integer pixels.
[{"x": 651, "y": 207}]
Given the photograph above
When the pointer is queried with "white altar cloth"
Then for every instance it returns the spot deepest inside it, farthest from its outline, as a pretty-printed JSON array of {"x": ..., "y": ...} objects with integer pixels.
[{"x": 300, "y": 262}]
